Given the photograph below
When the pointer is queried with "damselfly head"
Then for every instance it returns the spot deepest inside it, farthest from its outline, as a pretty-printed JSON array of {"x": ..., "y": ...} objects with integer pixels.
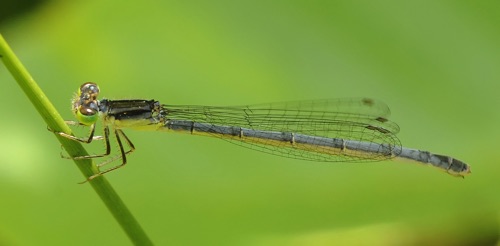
[{"x": 85, "y": 105}]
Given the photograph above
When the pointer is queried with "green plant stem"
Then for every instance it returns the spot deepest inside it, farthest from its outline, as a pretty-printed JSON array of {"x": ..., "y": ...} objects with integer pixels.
[{"x": 54, "y": 120}]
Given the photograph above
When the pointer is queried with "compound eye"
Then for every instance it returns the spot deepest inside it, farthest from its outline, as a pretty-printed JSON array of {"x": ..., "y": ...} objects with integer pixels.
[
  {"x": 88, "y": 114},
  {"x": 87, "y": 111},
  {"x": 89, "y": 91}
]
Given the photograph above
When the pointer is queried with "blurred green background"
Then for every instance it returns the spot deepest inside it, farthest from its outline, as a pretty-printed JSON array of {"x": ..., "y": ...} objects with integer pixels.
[{"x": 435, "y": 63}]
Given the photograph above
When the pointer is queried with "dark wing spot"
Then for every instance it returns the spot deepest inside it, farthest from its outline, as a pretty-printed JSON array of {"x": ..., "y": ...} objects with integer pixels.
[
  {"x": 375, "y": 128},
  {"x": 368, "y": 102}
]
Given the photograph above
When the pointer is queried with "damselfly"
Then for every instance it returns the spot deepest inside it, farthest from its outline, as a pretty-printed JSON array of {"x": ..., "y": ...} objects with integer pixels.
[{"x": 335, "y": 130}]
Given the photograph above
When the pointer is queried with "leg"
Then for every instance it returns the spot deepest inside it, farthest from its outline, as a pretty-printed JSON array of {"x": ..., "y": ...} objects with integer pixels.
[
  {"x": 123, "y": 155},
  {"x": 106, "y": 141},
  {"x": 86, "y": 140},
  {"x": 81, "y": 140}
]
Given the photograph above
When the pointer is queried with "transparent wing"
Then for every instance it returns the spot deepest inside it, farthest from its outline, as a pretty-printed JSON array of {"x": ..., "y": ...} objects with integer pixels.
[{"x": 362, "y": 119}]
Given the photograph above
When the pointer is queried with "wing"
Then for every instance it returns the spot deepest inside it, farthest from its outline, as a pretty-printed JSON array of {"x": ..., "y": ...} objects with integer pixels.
[{"x": 364, "y": 120}]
